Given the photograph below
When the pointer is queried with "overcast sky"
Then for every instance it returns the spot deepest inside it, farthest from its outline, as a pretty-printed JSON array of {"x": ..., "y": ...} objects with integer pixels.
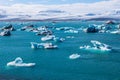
[
  {"x": 58, "y": 8},
  {"x": 48, "y": 2}
]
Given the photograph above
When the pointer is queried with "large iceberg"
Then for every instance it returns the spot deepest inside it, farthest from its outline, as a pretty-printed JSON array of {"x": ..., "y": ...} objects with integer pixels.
[
  {"x": 18, "y": 62},
  {"x": 97, "y": 46}
]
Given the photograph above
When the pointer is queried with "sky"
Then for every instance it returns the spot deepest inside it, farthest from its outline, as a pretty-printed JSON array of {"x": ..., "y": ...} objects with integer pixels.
[
  {"x": 48, "y": 2},
  {"x": 44, "y": 9}
]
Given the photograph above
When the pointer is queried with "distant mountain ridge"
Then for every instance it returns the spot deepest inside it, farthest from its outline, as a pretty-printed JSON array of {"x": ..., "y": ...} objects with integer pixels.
[{"x": 51, "y": 14}]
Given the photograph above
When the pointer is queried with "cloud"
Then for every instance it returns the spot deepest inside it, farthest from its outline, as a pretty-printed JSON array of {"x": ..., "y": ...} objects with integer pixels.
[
  {"x": 11, "y": 0},
  {"x": 75, "y": 9},
  {"x": 63, "y": 0}
]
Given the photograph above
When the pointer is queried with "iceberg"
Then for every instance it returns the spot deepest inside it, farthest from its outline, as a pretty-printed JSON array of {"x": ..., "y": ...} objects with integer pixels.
[
  {"x": 44, "y": 33},
  {"x": 18, "y": 62},
  {"x": 91, "y": 29},
  {"x": 115, "y": 32},
  {"x": 42, "y": 28},
  {"x": 27, "y": 28},
  {"x": 70, "y": 37},
  {"x": 110, "y": 22},
  {"x": 48, "y": 37},
  {"x": 57, "y": 39},
  {"x": 49, "y": 46},
  {"x": 5, "y": 33},
  {"x": 71, "y": 31},
  {"x": 97, "y": 46},
  {"x": 8, "y": 28},
  {"x": 74, "y": 56},
  {"x": 35, "y": 45},
  {"x": 64, "y": 28}
]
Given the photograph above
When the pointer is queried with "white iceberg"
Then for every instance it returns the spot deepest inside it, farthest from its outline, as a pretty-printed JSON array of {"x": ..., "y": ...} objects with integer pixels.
[
  {"x": 50, "y": 46},
  {"x": 115, "y": 32},
  {"x": 48, "y": 37},
  {"x": 57, "y": 39},
  {"x": 64, "y": 28},
  {"x": 74, "y": 56},
  {"x": 18, "y": 62},
  {"x": 71, "y": 31},
  {"x": 97, "y": 46},
  {"x": 35, "y": 45},
  {"x": 42, "y": 28}
]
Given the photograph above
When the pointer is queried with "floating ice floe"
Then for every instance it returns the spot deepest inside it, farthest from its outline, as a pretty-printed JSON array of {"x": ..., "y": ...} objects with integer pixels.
[
  {"x": 52, "y": 37},
  {"x": 110, "y": 22},
  {"x": 35, "y": 30},
  {"x": 71, "y": 31},
  {"x": 91, "y": 29},
  {"x": 48, "y": 37},
  {"x": 115, "y": 32},
  {"x": 5, "y": 33},
  {"x": 8, "y": 27},
  {"x": 27, "y": 28},
  {"x": 97, "y": 46},
  {"x": 35, "y": 45},
  {"x": 18, "y": 62},
  {"x": 70, "y": 37},
  {"x": 42, "y": 28},
  {"x": 49, "y": 46},
  {"x": 64, "y": 28},
  {"x": 57, "y": 39},
  {"x": 74, "y": 56},
  {"x": 47, "y": 32}
]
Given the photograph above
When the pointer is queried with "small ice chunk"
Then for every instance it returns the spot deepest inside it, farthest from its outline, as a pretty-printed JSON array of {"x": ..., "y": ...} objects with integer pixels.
[{"x": 74, "y": 56}]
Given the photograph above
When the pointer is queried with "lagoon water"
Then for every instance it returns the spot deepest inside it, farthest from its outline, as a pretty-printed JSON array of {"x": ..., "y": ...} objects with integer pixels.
[{"x": 55, "y": 64}]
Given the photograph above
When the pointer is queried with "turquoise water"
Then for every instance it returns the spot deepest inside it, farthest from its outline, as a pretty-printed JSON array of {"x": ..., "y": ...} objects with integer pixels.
[{"x": 55, "y": 64}]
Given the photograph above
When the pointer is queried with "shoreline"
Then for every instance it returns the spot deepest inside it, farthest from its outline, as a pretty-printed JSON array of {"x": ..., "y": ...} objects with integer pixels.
[{"x": 36, "y": 20}]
